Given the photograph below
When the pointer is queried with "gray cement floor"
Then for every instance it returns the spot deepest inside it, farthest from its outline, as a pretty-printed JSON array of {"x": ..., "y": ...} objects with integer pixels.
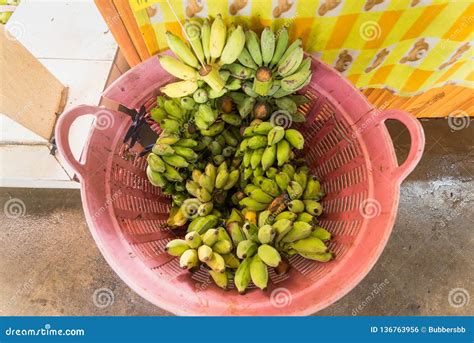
[{"x": 49, "y": 264}]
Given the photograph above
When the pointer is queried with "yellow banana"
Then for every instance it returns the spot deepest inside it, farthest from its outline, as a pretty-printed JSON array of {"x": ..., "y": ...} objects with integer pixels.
[
  {"x": 177, "y": 68},
  {"x": 180, "y": 88},
  {"x": 189, "y": 259},
  {"x": 220, "y": 279},
  {"x": 204, "y": 253},
  {"x": 193, "y": 240},
  {"x": 217, "y": 37},
  {"x": 216, "y": 263},
  {"x": 176, "y": 247}
]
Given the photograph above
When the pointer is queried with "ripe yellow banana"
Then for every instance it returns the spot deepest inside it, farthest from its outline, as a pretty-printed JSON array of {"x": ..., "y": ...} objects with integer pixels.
[
  {"x": 217, "y": 37},
  {"x": 180, "y": 88},
  {"x": 189, "y": 259}
]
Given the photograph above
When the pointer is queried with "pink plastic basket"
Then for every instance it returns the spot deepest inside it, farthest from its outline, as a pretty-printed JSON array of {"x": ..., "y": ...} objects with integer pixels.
[{"x": 347, "y": 146}]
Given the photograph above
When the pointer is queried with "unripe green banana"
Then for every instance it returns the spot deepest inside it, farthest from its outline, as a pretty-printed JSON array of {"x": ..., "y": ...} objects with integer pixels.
[
  {"x": 258, "y": 172},
  {"x": 267, "y": 43},
  {"x": 220, "y": 279},
  {"x": 275, "y": 135},
  {"x": 310, "y": 244},
  {"x": 177, "y": 68},
  {"x": 294, "y": 190},
  {"x": 158, "y": 114},
  {"x": 162, "y": 149},
  {"x": 189, "y": 259},
  {"x": 193, "y": 239},
  {"x": 283, "y": 152},
  {"x": 155, "y": 178},
  {"x": 299, "y": 231},
  {"x": 321, "y": 257},
  {"x": 233, "y": 48},
  {"x": 290, "y": 63},
  {"x": 286, "y": 215},
  {"x": 214, "y": 129},
  {"x": 269, "y": 156},
  {"x": 218, "y": 159},
  {"x": 246, "y": 248},
  {"x": 281, "y": 44},
  {"x": 176, "y": 161},
  {"x": 202, "y": 224},
  {"x": 264, "y": 218},
  {"x": 247, "y": 173},
  {"x": 206, "y": 182},
  {"x": 235, "y": 232},
  {"x": 216, "y": 263},
  {"x": 247, "y": 60},
  {"x": 302, "y": 178},
  {"x": 172, "y": 174},
  {"x": 256, "y": 157},
  {"x": 293, "y": 82},
  {"x": 170, "y": 125},
  {"x": 253, "y": 46},
  {"x": 271, "y": 172},
  {"x": 270, "y": 187},
  {"x": 261, "y": 196},
  {"x": 210, "y": 237},
  {"x": 296, "y": 206},
  {"x": 176, "y": 247},
  {"x": 289, "y": 170},
  {"x": 169, "y": 139},
  {"x": 313, "y": 207},
  {"x": 263, "y": 128},
  {"x": 205, "y": 209},
  {"x": 257, "y": 142},
  {"x": 248, "y": 132},
  {"x": 266, "y": 234},
  {"x": 321, "y": 233},
  {"x": 181, "y": 50},
  {"x": 305, "y": 217},
  {"x": 249, "y": 188},
  {"x": 295, "y": 138},
  {"x": 222, "y": 247},
  {"x": 247, "y": 158},
  {"x": 282, "y": 227},
  {"x": 244, "y": 145},
  {"x": 312, "y": 190},
  {"x": 187, "y": 153},
  {"x": 282, "y": 180},
  {"x": 200, "y": 96},
  {"x": 205, "y": 40},
  {"x": 203, "y": 195},
  {"x": 242, "y": 275},
  {"x": 231, "y": 180},
  {"x": 232, "y": 119},
  {"x": 222, "y": 178},
  {"x": 217, "y": 37},
  {"x": 259, "y": 272},
  {"x": 231, "y": 261},
  {"x": 252, "y": 204},
  {"x": 269, "y": 255}
]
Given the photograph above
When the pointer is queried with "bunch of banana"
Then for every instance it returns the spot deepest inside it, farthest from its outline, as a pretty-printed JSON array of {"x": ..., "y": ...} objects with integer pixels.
[
  {"x": 211, "y": 46},
  {"x": 209, "y": 246},
  {"x": 265, "y": 144},
  {"x": 223, "y": 147},
  {"x": 279, "y": 69}
]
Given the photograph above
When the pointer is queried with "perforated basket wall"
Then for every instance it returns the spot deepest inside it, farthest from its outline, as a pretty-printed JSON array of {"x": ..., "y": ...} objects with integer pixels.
[{"x": 346, "y": 145}]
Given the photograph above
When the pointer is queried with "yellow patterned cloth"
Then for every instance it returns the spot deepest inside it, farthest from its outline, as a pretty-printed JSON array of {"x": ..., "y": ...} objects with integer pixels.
[{"x": 408, "y": 46}]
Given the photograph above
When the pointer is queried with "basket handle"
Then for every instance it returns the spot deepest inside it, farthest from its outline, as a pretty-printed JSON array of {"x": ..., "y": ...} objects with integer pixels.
[
  {"x": 417, "y": 137},
  {"x": 63, "y": 127}
]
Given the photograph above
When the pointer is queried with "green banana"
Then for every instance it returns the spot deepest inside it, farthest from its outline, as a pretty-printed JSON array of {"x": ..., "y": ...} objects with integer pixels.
[
  {"x": 205, "y": 209},
  {"x": 271, "y": 172},
  {"x": 176, "y": 161},
  {"x": 220, "y": 279},
  {"x": 217, "y": 37},
  {"x": 281, "y": 44},
  {"x": 266, "y": 234},
  {"x": 210, "y": 237},
  {"x": 269, "y": 156},
  {"x": 200, "y": 96},
  {"x": 242, "y": 275},
  {"x": 169, "y": 139},
  {"x": 214, "y": 129},
  {"x": 267, "y": 43},
  {"x": 172, "y": 174},
  {"x": 263, "y": 128},
  {"x": 207, "y": 182},
  {"x": 269, "y": 255},
  {"x": 310, "y": 244},
  {"x": 258, "y": 272},
  {"x": 299, "y": 231},
  {"x": 296, "y": 206},
  {"x": 232, "y": 119},
  {"x": 313, "y": 207},
  {"x": 257, "y": 142},
  {"x": 256, "y": 157},
  {"x": 282, "y": 227},
  {"x": 204, "y": 195},
  {"x": 286, "y": 215},
  {"x": 293, "y": 82},
  {"x": 260, "y": 196},
  {"x": 176, "y": 247},
  {"x": 320, "y": 257},
  {"x": 202, "y": 224},
  {"x": 155, "y": 178},
  {"x": 247, "y": 60},
  {"x": 235, "y": 232},
  {"x": 302, "y": 178},
  {"x": 233, "y": 48},
  {"x": 205, "y": 40},
  {"x": 249, "y": 188},
  {"x": 204, "y": 253},
  {"x": 294, "y": 190},
  {"x": 186, "y": 143},
  {"x": 305, "y": 217},
  {"x": 275, "y": 135},
  {"x": 222, "y": 247},
  {"x": 269, "y": 186},
  {"x": 162, "y": 149},
  {"x": 232, "y": 180},
  {"x": 265, "y": 217},
  {"x": 246, "y": 248},
  {"x": 216, "y": 263},
  {"x": 321, "y": 233},
  {"x": 253, "y": 46},
  {"x": 193, "y": 240},
  {"x": 189, "y": 259},
  {"x": 181, "y": 50},
  {"x": 187, "y": 153},
  {"x": 295, "y": 138},
  {"x": 291, "y": 62},
  {"x": 286, "y": 104},
  {"x": 289, "y": 170},
  {"x": 222, "y": 178},
  {"x": 283, "y": 152},
  {"x": 177, "y": 68},
  {"x": 282, "y": 180},
  {"x": 231, "y": 261},
  {"x": 312, "y": 190},
  {"x": 252, "y": 204}
]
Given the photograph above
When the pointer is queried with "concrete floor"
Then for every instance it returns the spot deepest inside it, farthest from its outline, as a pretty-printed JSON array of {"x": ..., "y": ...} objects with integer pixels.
[{"x": 49, "y": 264}]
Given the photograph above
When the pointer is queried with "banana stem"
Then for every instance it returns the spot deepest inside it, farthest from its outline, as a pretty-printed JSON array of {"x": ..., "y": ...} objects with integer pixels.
[
  {"x": 212, "y": 77},
  {"x": 262, "y": 81}
]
